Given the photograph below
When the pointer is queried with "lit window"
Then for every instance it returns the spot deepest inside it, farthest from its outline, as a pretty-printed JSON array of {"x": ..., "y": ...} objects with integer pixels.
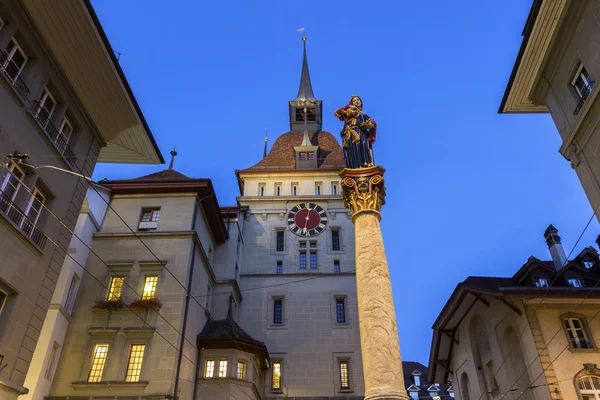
[
  {"x": 134, "y": 367},
  {"x": 313, "y": 260},
  {"x": 336, "y": 266},
  {"x": 51, "y": 361},
  {"x": 582, "y": 82},
  {"x": 279, "y": 267},
  {"x": 588, "y": 264},
  {"x": 589, "y": 387},
  {"x": 10, "y": 183},
  {"x": 115, "y": 288},
  {"x": 280, "y": 240},
  {"x": 241, "y": 370},
  {"x": 278, "y": 311},
  {"x": 14, "y": 61},
  {"x": 302, "y": 260},
  {"x": 222, "y": 368},
  {"x": 276, "y": 378},
  {"x": 150, "y": 215},
  {"x": 71, "y": 295},
  {"x": 577, "y": 335},
  {"x": 575, "y": 282},
  {"x": 340, "y": 310},
  {"x": 45, "y": 107},
  {"x": 344, "y": 375},
  {"x": 541, "y": 282},
  {"x": 209, "y": 369},
  {"x": 98, "y": 360},
  {"x": 150, "y": 283},
  {"x": 335, "y": 240}
]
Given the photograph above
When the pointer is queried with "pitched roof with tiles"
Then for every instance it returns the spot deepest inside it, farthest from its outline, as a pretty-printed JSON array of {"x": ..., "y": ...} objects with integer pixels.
[
  {"x": 164, "y": 175},
  {"x": 282, "y": 154}
]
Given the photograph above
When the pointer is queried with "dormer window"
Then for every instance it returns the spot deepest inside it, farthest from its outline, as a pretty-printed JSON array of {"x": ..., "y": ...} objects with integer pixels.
[
  {"x": 588, "y": 264},
  {"x": 417, "y": 377},
  {"x": 575, "y": 282},
  {"x": 310, "y": 155},
  {"x": 541, "y": 282}
]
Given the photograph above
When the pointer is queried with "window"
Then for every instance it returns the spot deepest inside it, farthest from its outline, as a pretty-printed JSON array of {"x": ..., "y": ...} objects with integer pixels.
[
  {"x": 588, "y": 264},
  {"x": 344, "y": 375},
  {"x": 335, "y": 240},
  {"x": 15, "y": 60},
  {"x": 313, "y": 245},
  {"x": 582, "y": 82},
  {"x": 115, "y": 288},
  {"x": 241, "y": 370},
  {"x": 98, "y": 360},
  {"x": 278, "y": 311},
  {"x": 45, "y": 107},
  {"x": 311, "y": 114},
  {"x": 10, "y": 183},
  {"x": 302, "y": 156},
  {"x": 209, "y": 369},
  {"x": 578, "y": 338},
  {"x": 134, "y": 367},
  {"x": 280, "y": 240},
  {"x": 34, "y": 208},
  {"x": 336, "y": 266},
  {"x": 334, "y": 188},
  {"x": 222, "y": 368},
  {"x": 302, "y": 260},
  {"x": 318, "y": 189},
  {"x": 313, "y": 260},
  {"x": 278, "y": 189},
  {"x": 261, "y": 189},
  {"x": 150, "y": 215},
  {"x": 340, "y": 310},
  {"x": 541, "y": 282},
  {"x": 279, "y": 267},
  {"x": 589, "y": 387},
  {"x": 575, "y": 282},
  {"x": 150, "y": 283},
  {"x": 71, "y": 295},
  {"x": 3, "y": 298},
  {"x": 276, "y": 377},
  {"x": 52, "y": 361},
  {"x": 65, "y": 129},
  {"x": 294, "y": 189},
  {"x": 311, "y": 156},
  {"x": 417, "y": 379},
  {"x": 302, "y": 245},
  {"x": 1, "y": 23}
]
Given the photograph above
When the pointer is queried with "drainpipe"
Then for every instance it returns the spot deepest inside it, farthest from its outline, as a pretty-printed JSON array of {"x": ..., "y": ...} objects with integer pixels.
[{"x": 187, "y": 304}]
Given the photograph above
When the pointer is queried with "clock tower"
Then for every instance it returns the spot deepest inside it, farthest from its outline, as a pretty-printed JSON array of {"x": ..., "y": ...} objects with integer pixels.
[{"x": 297, "y": 274}]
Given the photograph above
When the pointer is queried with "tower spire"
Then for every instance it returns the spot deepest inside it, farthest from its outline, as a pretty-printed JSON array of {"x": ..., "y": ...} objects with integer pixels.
[
  {"x": 173, "y": 154},
  {"x": 266, "y": 140},
  {"x": 305, "y": 91}
]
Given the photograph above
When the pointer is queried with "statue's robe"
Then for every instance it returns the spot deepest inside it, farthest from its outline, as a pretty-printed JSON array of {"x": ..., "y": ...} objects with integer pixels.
[{"x": 357, "y": 142}]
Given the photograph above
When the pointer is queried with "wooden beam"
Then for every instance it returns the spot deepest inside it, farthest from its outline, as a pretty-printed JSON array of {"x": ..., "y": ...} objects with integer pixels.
[{"x": 450, "y": 334}]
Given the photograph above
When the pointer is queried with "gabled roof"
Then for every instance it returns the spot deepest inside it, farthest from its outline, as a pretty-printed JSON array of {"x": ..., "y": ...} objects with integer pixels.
[
  {"x": 282, "y": 154},
  {"x": 532, "y": 264},
  {"x": 164, "y": 175}
]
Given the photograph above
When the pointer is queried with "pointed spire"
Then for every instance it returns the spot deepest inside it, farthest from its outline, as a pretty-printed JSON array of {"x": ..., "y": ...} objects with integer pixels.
[
  {"x": 266, "y": 140},
  {"x": 230, "y": 311},
  {"x": 173, "y": 154},
  {"x": 305, "y": 91}
]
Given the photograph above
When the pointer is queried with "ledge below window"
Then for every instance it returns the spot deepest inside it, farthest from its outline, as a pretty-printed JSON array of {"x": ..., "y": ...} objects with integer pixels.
[
  {"x": 584, "y": 350},
  {"x": 109, "y": 384}
]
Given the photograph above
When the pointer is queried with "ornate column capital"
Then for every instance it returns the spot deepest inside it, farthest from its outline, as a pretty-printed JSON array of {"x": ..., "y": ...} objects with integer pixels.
[{"x": 363, "y": 188}]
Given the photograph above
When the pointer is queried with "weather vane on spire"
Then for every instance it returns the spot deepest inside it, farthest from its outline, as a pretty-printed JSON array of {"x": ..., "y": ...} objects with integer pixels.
[{"x": 303, "y": 31}]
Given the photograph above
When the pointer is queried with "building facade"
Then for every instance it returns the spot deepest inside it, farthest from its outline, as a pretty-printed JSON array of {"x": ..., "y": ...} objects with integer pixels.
[
  {"x": 532, "y": 336},
  {"x": 64, "y": 112},
  {"x": 186, "y": 299},
  {"x": 555, "y": 71}
]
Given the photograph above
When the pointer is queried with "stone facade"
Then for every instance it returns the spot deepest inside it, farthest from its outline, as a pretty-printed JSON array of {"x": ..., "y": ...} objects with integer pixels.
[
  {"x": 532, "y": 336},
  {"x": 555, "y": 72},
  {"x": 46, "y": 113}
]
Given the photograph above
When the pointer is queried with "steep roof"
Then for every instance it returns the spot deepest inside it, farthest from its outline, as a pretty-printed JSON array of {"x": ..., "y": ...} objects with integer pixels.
[{"x": 281, "y": 156}]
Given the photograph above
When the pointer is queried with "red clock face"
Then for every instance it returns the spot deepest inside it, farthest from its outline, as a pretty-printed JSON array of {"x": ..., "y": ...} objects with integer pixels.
[{"x": 307, "y": 219}]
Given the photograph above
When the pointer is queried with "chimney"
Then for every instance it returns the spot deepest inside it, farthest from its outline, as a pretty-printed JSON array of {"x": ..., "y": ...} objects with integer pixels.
[{"x": 554, "y": 245}]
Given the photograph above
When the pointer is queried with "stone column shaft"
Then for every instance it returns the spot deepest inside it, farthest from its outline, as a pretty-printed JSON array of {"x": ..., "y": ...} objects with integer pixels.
[{"x": 364, "y": 194}]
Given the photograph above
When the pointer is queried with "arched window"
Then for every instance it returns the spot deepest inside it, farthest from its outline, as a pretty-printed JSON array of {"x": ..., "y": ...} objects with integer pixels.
[
  {"x": 464, "y": 386},
  {"x": 589, "y": 387}
]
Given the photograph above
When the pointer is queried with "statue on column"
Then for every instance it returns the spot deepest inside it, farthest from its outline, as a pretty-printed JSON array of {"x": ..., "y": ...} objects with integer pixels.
[{"x": 358, "y": 134}]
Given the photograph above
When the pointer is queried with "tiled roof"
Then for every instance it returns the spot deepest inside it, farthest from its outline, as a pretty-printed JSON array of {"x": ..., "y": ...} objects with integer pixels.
[
  {"x": 281, "y": 156},
  {"x": 164, "y": 175},
  {"x": 224, "y": 330},
  {"x": 408, "y": 367}
]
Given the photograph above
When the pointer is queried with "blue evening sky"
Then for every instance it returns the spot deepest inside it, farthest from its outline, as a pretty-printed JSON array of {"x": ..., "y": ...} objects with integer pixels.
[{"x": 470, "y": 192}]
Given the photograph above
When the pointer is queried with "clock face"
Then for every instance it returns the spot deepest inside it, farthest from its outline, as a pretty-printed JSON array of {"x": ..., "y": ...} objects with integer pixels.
[{"x": 307, "y": 219}]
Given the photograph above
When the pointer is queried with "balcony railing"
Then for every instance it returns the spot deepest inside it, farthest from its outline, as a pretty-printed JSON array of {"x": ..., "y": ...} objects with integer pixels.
[
  {"x": 586, "y": 93},
  {"x": 54, "y": 135},
  {"x": 12, "y": 212},
  {"x": 15, "y": 81}
]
